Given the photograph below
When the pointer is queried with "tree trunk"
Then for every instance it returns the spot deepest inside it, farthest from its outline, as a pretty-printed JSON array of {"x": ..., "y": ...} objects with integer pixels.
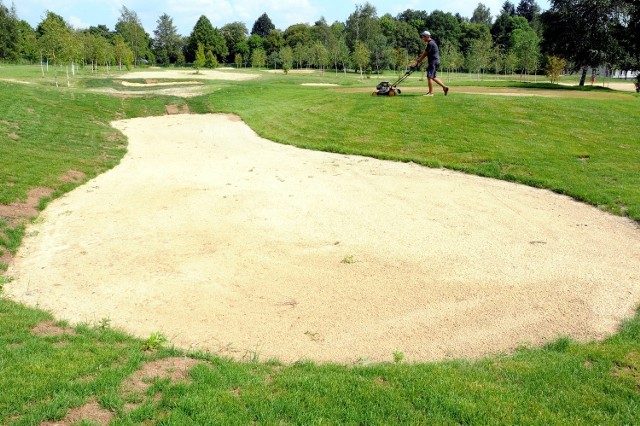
[{"x": 584, "y": 76}]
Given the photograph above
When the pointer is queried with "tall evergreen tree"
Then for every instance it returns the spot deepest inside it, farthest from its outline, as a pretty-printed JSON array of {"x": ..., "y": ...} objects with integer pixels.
[
  {"x": 263, "y": 26},
  {"x": 210, "y": 38},
  {"x": 166, "y": 43},
  {"x": 508, "y": 8},
  {"x": 528, "y": 9}
]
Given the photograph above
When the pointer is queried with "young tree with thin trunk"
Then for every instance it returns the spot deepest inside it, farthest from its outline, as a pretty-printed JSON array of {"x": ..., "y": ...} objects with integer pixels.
[
  {"x": 286, "y": 57},
  {"x": 361, "y": 57},
  {"x": 200, "y": 59}
]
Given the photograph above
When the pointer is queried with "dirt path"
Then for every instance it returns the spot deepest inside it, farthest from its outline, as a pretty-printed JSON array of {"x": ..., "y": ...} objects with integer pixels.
[{"x": 228, "y": 242}]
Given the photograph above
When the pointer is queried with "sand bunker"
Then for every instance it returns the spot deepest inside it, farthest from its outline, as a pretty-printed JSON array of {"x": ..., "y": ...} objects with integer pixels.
[
  {"x": 190, "y": 75},
  {"x": 227, "y": 242}
]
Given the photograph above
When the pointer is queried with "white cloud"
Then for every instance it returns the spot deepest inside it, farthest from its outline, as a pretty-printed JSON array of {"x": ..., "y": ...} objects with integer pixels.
[{"x": 77, "y": 23}]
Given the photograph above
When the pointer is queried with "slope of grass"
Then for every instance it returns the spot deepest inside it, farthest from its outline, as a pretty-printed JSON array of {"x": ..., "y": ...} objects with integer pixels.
[{"x": 563, "y": 383}]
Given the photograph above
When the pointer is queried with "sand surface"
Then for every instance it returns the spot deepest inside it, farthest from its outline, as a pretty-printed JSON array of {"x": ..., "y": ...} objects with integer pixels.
[{"x": 230, "y": 243}]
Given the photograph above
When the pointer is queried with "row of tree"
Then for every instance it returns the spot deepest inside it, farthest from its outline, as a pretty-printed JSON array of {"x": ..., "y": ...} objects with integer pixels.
[{"x": 575, "y": 33}]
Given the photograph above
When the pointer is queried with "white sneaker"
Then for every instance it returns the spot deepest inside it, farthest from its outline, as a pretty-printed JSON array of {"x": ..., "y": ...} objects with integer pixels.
[{"x": 428, "y": 94}]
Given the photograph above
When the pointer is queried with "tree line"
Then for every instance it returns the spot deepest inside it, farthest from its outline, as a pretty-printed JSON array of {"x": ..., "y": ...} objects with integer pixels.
[{"x": 572, "y": 34}]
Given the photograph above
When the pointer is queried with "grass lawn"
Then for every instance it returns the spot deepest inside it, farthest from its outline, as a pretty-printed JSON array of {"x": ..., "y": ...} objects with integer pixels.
[{"x": 586, "y": 147}]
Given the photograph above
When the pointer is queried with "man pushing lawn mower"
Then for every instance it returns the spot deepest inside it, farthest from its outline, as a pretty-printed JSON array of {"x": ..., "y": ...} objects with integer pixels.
[{"x": 432, "y": 53}]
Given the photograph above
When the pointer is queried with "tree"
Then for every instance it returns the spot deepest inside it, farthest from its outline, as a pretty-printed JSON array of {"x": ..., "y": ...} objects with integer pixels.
[
  {"x": 298, "y": 33},
  {"x": 258, "y": 58},
  {"x": 529, "y": 10},
  {"x": 55, "y": 41},
  {"x": 300, "y": 54},
  {"x": 582, "y": 32},
  {"x": 481, "y": 15},
  {"x": 238, "y": 60},
  {"x": 478, "y": 57},
  {"x": 627, "y": 32},
  {"x": 9, "y": 36},
  {"x": 234, "y": 34},
  {"x": 555, "y": 67},
  {"x": 362, "y": 25},
  {"x": 286, "y": 57},
  {"x": 471, "y": 32},
  {"x": 242, "y": 51},
  {"x": 526, "y": 46},
  {"x": 444, "y": 27},
  {"x": 122, "y": 53},
  {"x": 274, "y": 41},
  {"x": 262, "y": 26},
  {"x": 416, "y": 18},
  {"x": 97, "y": 50},
  {"x": 166, "y": 43},
  {"x": 504, "y": 26},
  {"x": 508, "y": 8},
  {"x": 361, "y": 57},
  {"x": 320, "y": 55},
  {"x": 340, "y": 55},
  {"x": 211, "y": 60},
  {"x": 451, "y": 58},
  {"x": 131, "y": 30},
  {"x": 200, "y": 58},
  {"x": 211, "y": 39},
  {"x": 27, "y": 42},
  {"x": 322, "y": 32}
]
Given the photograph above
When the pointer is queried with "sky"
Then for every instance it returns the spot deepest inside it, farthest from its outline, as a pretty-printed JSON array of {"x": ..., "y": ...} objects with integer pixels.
[{"x": 185, "y": 13}]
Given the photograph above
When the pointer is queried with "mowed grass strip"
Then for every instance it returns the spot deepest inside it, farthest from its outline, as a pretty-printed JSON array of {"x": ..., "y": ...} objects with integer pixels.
[{"x": 539, "y": 141}]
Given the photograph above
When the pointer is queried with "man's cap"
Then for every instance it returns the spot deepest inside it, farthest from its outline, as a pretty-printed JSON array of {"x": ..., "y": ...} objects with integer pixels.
[{"x": 425, "y": 33}]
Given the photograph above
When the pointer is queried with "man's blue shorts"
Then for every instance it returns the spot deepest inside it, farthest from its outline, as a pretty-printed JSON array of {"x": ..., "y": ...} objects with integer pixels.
[{"x": 432, "y": 69}]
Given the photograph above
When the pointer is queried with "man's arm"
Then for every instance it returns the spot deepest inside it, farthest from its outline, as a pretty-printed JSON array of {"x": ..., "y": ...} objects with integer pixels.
[{"x": 420, "y": 59}]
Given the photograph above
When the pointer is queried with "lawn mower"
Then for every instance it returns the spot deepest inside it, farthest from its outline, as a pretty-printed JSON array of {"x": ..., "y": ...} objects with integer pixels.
[{"x": 386, "y": 88}]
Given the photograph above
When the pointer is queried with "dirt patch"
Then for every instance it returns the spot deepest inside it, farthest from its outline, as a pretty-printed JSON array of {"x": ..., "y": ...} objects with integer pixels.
[
  {"x": 48, "y": 328},
  {"x": 16, "y": 212},
  {"x": 73, "y": 176},
  {"x": 91, "y": 412},
  {"x": 230, "y": 243},
  {"x": 178, "y": 109},
  {"x": 175, "y": 369}
]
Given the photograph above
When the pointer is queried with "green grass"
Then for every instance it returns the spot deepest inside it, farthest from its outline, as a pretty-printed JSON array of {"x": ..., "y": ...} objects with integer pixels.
[
  {"x": 584, "y": 147},
  {"x": 563, "y": 383}
]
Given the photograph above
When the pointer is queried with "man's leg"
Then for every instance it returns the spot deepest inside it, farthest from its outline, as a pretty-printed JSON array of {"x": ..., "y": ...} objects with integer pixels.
[{"x": 437, "y": 80}]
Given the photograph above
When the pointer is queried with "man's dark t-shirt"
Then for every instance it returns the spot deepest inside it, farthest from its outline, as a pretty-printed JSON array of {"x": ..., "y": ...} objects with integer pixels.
[{"x": 433, "y": 53}]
